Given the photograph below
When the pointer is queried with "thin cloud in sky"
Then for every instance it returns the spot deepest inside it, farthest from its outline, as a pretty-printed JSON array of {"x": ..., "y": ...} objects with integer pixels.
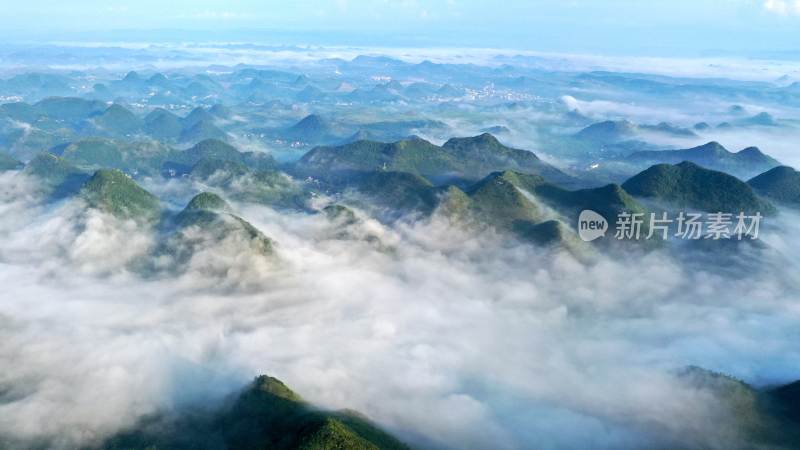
[
  {"x": 783, "y": 7},
  {"x": 218, "y": 15}
]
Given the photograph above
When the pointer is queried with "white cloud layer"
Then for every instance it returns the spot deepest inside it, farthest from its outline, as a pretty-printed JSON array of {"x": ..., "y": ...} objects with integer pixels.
[
  {"x": 452, "y": 340},
  {"x": 783, "y": 7}
]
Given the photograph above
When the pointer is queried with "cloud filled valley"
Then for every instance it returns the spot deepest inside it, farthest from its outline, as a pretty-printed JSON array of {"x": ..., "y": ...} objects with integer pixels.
[
  {"x": 395, "y": 236},
  {"x": 451, "y": 339}
]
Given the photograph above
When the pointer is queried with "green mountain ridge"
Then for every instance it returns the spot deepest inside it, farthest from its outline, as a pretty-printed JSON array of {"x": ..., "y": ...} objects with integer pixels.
[
  {"x": 243, "y": 183},
  {"x": 781, "y": 184},
  {"x": 760, "y": 418},
  {"x": 687, "y": 185},
  {"x": 532, "y": 208},
  {"x": 207, "y": 201},
  {"x": 57, "y": 176},
  {"x": 312, "y": 128},
  {"x": 141, "y": 156},
  {"x": 469, "y": 158},
  {"x": 213, "y": 149},
  {"x": 162, "y": 124},
  {"x": 213, "y": 217},
  {"x": 265, "y": 415},
  {"x": 202, "y": 130},
  {"x": 118, "y": 120},
  {"x": 116, "y": 193},
  {"x": 712, "y": 156}
]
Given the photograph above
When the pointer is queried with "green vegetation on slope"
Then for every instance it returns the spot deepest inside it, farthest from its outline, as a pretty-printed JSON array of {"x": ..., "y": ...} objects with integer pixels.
[
  {"x": 266, "y": 415},
  {"x": 114, "y": 192},
  {"x": 470, "y": 158},
  {"x": 781, "y": 184},
  {"x": 759, "y": 418},
  {"x": 56, "y": 175},
  {"x": 687, "y": 185},
  {"x": 340, "y": 214},
  {"x": 530, "y": 207},
  {"x": 202, "y": 130},
  {"x": 240, "y": 182},
  {"x": 162, "y": 124},
  {"x": 506, "y": 203},
  {"x": 137, "y": 156},
  {"x": 214, "y": 149},
  {"x": 499, "y": 200},
  {"x": 94, "y": 152},
  {"x": 207, "y": 221},
  {"x": 117, "y": 120},
  {"x": 402, "y": 192},
  {"x": 208, "y": 201}
]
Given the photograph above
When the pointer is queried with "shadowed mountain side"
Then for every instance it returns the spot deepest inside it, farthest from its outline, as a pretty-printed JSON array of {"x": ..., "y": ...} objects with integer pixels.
[
  {"x": 265, "y": 415},
  {"x": 213, "y": 216},
  {"x": 132, "y": 156},
  {"x": 763, "y": 418},
  {"x": 687, "y": 185},
  {"x": 781, "y": 184},
  {"x": 57, "y": 177},
  {"x": 243, "y": 183},
  {"x": 609, "y": 200},
  {"x": 181, "y": 163},
  {"x": 208, "y": 238}
]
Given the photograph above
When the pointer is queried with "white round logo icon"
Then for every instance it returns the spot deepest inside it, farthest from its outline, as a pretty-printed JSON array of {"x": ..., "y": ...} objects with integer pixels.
[{"x": 591, "y": 225}]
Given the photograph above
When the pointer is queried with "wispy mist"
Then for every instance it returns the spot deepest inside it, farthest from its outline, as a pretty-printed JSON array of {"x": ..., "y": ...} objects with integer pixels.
[{"x": 450, "y": 338}]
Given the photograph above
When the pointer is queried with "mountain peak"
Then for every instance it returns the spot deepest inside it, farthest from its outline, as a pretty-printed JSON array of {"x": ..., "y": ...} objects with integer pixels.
[
  {"x": 115, "y": 192},
  {"x": 157, "y": 78},
  {"x": 608, "y": 130},
  {"x": 211, "y": 147},
  {"x": 781, "y": 184},
  {"x": 780, "y": 171},
  {"x": 485, "y": 139},
  {"x": 220, "y": 110},
  {"x": 275, "y": 387},
  {"x": 116, "y": 107},
  {"x": 712, "y": 147},
  {"x": 686, "y": 165},
  {"x": 311, "y": 120},
  {"x": 208, "y": 201},
  {"x": 132, "y": 76},
  {"x": 197, "y": 114},
  {"x": 688, "y": 185},
  {"x": 52, "y": 170},
  {"x": 751, "y": 153},
  {"x": 312, "y": 126}
]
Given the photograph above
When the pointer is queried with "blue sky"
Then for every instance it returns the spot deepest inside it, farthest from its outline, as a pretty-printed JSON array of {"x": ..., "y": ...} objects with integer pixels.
[{"x": 612, "y": 26}]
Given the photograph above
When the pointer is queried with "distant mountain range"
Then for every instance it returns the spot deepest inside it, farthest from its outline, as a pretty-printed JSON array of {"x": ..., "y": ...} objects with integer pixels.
[
  {"x": 712, "y": 156},
  {"x": 614, "y": 131},
  {"x": 476, "y": 181},
  {"x": 459, "y": 158}
]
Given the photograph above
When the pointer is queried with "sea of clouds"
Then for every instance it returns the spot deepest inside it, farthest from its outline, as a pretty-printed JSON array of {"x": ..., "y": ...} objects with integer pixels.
[{"x": 449, "y": 338}]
